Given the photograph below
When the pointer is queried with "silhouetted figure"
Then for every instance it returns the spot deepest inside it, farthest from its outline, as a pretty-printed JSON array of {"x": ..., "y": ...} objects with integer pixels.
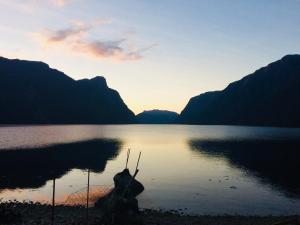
[{"x": 121, "y": 204}]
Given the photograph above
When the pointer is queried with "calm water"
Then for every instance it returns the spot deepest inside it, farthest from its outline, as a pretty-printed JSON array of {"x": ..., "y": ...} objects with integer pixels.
[{"x": 200, "y": 169}]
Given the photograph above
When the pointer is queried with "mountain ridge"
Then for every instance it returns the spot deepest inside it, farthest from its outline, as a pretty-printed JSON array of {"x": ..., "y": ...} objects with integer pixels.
[
  {"x": 156, "y": 116},
  {"x": 267, "y": 97},
  {"x": 48, "y": 96}
]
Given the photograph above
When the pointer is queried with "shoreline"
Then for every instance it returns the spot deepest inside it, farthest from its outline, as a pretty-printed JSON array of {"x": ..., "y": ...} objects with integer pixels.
[{"x": 30, "y": 213}]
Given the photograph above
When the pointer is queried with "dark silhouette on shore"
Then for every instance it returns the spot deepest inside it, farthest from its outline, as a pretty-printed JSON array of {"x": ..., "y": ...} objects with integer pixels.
[
  {"x": 32, "y": 168},
  {"x": 268, "y": 97},
  {"x": 33, "y": 93},
  {"x": 157, "y": 117},
  {"x": 274, "y": 162}
]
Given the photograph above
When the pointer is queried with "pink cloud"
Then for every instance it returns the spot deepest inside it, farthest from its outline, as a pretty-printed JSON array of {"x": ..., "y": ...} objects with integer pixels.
[
  {"x": 61, "y": 35},
  {"x": 74, "y": 39},
  {"x": 60, "y": 3},
  {"x": 29, "y": 6},
  {"x": 109, "y": 49}
]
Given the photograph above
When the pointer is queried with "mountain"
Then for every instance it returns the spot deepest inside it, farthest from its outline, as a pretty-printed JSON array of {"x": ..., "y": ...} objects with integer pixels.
[
  {"x": 33, "y": 93},
  {"x": 157, "y": 117},
  {"x": 268, "y": 97}
]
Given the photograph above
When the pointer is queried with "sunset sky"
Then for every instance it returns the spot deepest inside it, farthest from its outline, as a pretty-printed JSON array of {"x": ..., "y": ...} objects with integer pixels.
[{"x": 156, "y": 53}]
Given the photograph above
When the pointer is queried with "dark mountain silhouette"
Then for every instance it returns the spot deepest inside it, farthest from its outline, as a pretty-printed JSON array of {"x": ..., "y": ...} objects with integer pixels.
[
  {"x": 31, "y": 92},
  {"x": 268, "y": 97},
  {"x": 157, "y": 117},
  {"x": 32, "y": 168},
  {"x": 274, "y": 162}
]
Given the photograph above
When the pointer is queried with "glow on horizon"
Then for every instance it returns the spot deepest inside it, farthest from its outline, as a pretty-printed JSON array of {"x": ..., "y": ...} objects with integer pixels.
[{"x": 156, "y": 54}]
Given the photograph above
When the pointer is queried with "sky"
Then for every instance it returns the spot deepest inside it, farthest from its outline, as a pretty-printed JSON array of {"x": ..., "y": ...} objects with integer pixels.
[{"x": 156, "y": 53}]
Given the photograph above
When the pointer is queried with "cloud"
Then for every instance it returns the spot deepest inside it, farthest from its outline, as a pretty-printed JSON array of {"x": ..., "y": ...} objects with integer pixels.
[
  {"x": 48, "y": 36},
  {"x": 75, "y": 39},
  {"x": 29, "y": 6},
  {"x": 88, "y": 26},
  {"x": 59, "y": 3},
  {"x": 106, "y": 49},
  {"x": 21, "y": 6},
  {"x": 77, "y": 30}
]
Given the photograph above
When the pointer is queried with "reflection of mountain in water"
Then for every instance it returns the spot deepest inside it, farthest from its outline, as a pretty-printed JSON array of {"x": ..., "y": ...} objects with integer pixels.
[
  {"x": 32, "y": 168},
  {"x": 273, "y": 162}
]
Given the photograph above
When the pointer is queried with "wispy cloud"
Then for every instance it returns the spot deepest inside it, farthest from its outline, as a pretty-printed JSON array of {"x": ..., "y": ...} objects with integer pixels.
[
  {"x": 107, "y": 49},
  {"x": 48, "y": 36},
  {"x": 75, "y": 39},
  {"x": 59, "y": 3},
  {"x": 78, "y": 29},
  {"x": 21, "y": 6},
  {"x": 28, "y": 6}
]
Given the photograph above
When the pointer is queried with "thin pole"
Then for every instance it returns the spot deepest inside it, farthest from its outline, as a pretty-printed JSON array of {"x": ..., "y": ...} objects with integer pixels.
[
  {"x": 128, "y": 153},
  {"x": 87, "y": 198},
  {"x": 137, "y": 164},
  {"x": 53, "y": 202}
]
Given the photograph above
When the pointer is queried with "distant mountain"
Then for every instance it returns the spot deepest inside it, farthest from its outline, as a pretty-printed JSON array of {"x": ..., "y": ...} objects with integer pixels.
[
  {"x": 268, "y": 97},
  {"x": 33, "y": 93},
  {"x": 157, "y": 117}
]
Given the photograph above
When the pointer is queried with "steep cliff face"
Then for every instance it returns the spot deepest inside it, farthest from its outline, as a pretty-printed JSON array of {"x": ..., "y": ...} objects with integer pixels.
[
  {"x": 31, "y": 92},
  {"x": 268, "y": 97}
]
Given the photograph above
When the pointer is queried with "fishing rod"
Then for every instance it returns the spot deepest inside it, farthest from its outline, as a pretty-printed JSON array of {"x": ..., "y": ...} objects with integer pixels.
[
  {"x": 128, "y": 154},
  {"x": 137, "y": 165}
]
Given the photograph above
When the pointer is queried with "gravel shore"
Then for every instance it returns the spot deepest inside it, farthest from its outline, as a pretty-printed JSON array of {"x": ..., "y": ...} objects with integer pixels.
[{"x": 29, "y": 213}]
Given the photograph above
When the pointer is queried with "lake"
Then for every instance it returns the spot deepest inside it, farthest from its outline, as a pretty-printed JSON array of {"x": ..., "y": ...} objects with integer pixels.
[{"x": 196, "y": 169}]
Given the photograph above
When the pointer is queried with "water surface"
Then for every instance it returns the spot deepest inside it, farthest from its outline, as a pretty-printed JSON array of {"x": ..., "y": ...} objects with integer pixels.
[{"x": 199, "y": 169}]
